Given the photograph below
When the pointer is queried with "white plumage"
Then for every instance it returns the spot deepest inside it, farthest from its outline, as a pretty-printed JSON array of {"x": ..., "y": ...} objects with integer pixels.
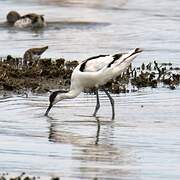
[
  {"x": 23, "y": 23},
  {"x": 95, "y": 72},
  {"x": 98, "y": 71},
  {"x": 30, "y": 20}
]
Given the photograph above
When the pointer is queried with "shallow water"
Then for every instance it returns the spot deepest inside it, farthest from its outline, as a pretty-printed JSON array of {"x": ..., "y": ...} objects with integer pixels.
[
  {"x": 142, "y": 142},
  {"x": 79, "y": 29}
]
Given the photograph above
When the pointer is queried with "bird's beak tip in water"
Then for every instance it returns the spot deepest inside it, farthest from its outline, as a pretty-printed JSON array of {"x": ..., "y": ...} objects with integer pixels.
[
  {"x": 46, "y": 113},
  {"x": 48, "y": 109}
]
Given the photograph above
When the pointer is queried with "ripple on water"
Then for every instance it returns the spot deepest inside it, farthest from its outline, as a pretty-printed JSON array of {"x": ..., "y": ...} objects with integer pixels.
[
  {"x": 136, "y": 144},
  {"x": 105, "y": 27},
  {"x": 142, "y": 142}
]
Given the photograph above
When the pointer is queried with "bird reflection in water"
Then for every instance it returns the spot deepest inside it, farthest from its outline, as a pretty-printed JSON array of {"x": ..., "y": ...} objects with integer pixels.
[
  {"x": 91, "y": 156},
  {"x": 57, "y": 135}
]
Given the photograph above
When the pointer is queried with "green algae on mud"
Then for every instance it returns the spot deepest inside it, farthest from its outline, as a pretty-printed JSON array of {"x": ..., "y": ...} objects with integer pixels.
[{"x": 50, "y": 74}]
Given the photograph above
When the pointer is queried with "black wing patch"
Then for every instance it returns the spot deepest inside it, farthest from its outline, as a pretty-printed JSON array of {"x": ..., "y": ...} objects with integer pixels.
[
  {"x": 115, "y": 57},
  {"x": 83, "y": 65},
  {"x": 33, "y": 17},
  {"x": 95, "y": 57}
]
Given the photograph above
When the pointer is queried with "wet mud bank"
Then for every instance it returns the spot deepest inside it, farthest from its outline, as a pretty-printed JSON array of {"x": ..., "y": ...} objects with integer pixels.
[
  {"x": 48, "y": 74},
  {"x": 23, "y": 176}
]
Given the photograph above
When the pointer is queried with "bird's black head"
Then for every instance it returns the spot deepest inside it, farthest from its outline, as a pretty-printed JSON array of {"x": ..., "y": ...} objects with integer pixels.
[{"x": 52, "y": 100}]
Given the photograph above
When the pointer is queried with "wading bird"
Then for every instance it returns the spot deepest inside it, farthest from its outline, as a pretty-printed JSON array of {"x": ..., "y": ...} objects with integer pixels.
[
  {"x": 31, "y": 56},
  {"x": 95, "y": 72}
]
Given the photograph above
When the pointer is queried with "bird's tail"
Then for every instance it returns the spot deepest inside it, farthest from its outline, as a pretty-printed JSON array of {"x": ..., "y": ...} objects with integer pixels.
[{"x": 121, "y": 64}]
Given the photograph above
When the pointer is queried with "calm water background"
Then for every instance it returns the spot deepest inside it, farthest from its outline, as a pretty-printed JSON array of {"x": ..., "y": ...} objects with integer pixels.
[
  {"x": 142, "y": 142},
  {"x": 78, "y": 29}
]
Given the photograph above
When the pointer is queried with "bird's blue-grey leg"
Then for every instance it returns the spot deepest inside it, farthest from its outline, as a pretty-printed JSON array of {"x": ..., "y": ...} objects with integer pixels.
[
  {"x": 98, "y": 131},
  {"x": 97, "y": 103},
  {"x": 111, "y": 101}
]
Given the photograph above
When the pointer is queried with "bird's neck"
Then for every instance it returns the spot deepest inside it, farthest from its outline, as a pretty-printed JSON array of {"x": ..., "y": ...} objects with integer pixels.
[{"x": 72, "y": 93}]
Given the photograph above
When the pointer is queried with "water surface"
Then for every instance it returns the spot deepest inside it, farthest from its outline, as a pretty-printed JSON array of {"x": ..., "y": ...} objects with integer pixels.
[
  {"x": 142, "y": 142},
  {"x": 79, "y": 29}
]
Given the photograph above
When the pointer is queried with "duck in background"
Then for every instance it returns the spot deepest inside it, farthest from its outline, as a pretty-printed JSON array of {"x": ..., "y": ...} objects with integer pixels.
[
  {"x": 31, "y": 56},
  {"x": 31, "y": 20}
]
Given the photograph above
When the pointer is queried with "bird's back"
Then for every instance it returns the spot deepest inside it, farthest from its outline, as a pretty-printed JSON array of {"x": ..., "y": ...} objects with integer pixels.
[
  {"x": 30, "y": 20},
  {"x": 98, "y": 70},
  {"x": 96, "y": 63}
]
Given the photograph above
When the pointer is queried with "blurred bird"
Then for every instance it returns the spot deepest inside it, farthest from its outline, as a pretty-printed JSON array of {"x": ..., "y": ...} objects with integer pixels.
[
  {"x": 95, "y": 72},
  {"x": 31, "y": 56},
  {"x": 12, "y": 17},
  {"x": 31, "y": 20}
]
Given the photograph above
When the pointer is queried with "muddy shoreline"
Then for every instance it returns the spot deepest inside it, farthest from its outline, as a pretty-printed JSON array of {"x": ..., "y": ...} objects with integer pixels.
[
  {"x": 49, "y": 74},
  {"x": 23, "y": 176}
]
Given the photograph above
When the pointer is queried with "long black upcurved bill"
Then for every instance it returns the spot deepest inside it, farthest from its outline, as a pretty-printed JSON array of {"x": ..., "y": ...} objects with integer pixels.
[{"x": 48, "y": 109}]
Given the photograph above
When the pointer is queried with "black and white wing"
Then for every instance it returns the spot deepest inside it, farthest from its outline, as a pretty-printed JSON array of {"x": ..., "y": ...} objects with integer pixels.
[{"x": 96, "y": 63}]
